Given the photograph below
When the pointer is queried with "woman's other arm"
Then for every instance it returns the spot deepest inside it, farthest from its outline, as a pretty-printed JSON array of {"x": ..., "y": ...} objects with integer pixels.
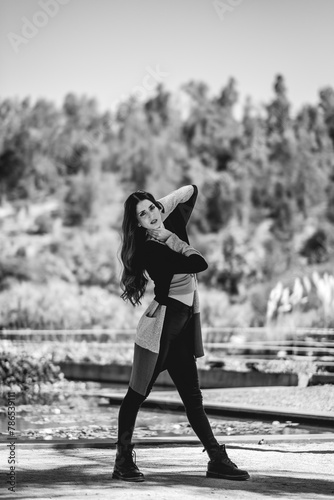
[
  {"x": 174, "y": 257},
  {"x": 172, "y": 199}
]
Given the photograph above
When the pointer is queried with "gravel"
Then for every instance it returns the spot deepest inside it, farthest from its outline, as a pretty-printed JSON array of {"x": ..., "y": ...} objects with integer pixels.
[{"x": 317, "y": 398}]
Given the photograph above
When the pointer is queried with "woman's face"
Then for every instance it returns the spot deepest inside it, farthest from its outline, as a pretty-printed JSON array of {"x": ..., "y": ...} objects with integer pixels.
[{"x": 148, "y": 214}]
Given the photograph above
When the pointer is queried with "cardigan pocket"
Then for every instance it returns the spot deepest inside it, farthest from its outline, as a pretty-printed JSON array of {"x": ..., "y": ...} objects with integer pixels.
[
  {"x": 150, "y": 326},
  {"x": 150, "y": 315},
  {"x": 145, "y": 322},
  {"x": 152, "y": 310},
  {"x": 146, "y": 331}
]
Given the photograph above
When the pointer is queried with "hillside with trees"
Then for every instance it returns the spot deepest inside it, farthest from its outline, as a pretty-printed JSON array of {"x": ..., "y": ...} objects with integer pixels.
[{"x": 265, "y": 210}]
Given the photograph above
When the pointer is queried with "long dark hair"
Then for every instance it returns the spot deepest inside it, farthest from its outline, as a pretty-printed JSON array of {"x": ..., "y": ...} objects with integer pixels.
[{"x": 133, "y": 280}]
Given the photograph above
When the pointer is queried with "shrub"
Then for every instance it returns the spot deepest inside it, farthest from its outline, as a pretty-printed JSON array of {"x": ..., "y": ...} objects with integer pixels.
[
  {"x": 317, "y": 293},
  {"x": 92, "y": 258},
  {"x": 217, "y": 311},
  {"x": 21, "y": 372},
  {"x": 79, "y": 200},
  {"x": 63, "y": 306},
  {"x": 315, "y": 248}
]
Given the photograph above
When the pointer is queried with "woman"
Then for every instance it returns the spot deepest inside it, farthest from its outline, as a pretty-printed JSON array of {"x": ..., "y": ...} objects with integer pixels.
[{"x": 168, "y": 333}]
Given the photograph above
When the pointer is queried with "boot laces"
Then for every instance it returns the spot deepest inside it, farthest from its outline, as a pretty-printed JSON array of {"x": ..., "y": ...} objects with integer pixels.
[
  {"x": 228, "y": 460},
  {"x": 128, "y": 457},
  {"x": 221, "y": 453},
  {"x": 130, "y": 454},
  {"x": 133, "y": 456}
]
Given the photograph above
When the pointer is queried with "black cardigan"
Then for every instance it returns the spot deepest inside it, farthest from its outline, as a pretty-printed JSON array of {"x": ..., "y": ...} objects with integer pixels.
[{"x": 162, "y": 263}]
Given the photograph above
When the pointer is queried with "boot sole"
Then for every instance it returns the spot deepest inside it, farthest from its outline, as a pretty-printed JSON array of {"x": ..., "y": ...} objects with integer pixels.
[
  {"x": 132, "y": 479},
  {"x": 226, "y": 476}
]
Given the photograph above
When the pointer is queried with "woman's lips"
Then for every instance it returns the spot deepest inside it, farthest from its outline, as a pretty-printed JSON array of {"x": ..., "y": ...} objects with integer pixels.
[{"x": 154, "y": 221}]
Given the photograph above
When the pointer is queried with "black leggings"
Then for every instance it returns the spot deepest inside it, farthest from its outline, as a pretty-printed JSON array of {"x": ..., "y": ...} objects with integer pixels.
[{"x": 175, "y": 356}]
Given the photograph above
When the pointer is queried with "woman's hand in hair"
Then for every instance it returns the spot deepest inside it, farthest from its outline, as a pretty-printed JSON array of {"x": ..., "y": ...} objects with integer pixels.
[{"x": 160, "y": 234}]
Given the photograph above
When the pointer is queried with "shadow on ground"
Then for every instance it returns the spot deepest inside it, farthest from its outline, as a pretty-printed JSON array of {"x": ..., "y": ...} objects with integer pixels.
[{"x": 38, "y": 478}]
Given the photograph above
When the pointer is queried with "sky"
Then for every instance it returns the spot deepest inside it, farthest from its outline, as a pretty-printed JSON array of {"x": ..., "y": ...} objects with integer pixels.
[{"x": 108, "y": 49}]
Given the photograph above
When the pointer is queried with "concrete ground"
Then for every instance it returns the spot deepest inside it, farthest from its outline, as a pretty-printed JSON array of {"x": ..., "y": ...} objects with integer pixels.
[{"x": 284, "y": 470}]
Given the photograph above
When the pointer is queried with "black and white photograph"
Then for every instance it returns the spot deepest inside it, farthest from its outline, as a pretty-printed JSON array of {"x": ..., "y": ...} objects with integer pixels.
[{"x": 167, "y": 249}]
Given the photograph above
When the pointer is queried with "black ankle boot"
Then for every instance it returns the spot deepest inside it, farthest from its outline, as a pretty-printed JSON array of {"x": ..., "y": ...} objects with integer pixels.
[
  {"x": 221, "y": 466},
  {"x": 125, "y": 468}
]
